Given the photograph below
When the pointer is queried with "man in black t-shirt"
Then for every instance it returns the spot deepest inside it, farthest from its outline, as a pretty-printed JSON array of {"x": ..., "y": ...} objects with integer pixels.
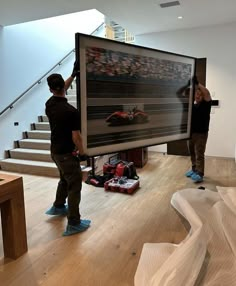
[
  {"x": 199, "y": 129},
  {"x": 66, "y": 140}
]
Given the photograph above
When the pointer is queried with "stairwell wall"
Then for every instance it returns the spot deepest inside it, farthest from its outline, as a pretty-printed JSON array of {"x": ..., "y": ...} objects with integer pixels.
[
  {"x": 27, "y": 51},
  {"x": 218, "y": 45}
]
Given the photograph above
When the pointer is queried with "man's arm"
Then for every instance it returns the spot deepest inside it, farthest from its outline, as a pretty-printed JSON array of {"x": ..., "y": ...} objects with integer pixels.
[
  {"x": 75, "y": 72},
  {"x": 78, "y": 141},
  {"x": 68, "y": 82},
  {"x": 205, "y": 92},
  {"x": 182, "y": 91}
]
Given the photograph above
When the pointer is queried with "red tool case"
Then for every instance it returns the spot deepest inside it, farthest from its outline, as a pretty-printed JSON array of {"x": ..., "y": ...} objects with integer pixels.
[{"x": 121, "y": 185}]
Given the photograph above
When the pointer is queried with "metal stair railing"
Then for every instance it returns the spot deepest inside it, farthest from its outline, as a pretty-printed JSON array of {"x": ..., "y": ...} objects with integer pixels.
[{"x": 11, "y": 105}]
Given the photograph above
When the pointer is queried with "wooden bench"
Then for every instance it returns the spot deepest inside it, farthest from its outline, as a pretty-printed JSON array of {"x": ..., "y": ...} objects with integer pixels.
[{"x": 13, "y": 216}]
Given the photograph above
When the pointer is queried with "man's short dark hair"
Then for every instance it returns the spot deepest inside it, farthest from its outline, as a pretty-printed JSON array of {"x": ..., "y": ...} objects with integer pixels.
[{"x": 56, "y": 82}]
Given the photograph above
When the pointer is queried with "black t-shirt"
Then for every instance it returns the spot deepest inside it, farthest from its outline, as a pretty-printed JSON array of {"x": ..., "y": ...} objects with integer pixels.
[
  {"x": 201, "y": 117},
  {"x": 63, "y": 119}
]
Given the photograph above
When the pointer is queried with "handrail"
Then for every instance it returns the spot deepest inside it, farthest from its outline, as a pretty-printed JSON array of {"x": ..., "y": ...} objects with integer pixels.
[
  {"x": 10, "y": 106},
  {"x": 103, "y": 23}
]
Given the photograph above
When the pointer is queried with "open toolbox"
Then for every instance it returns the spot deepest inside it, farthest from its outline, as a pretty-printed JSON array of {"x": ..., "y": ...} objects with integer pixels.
[{"x": 121, "y": 185}]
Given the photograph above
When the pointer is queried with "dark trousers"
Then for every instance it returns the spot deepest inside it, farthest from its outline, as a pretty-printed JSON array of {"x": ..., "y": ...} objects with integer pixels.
[
  {"x": 197, "y": 147},
  {"x": 69, "y": 186}
]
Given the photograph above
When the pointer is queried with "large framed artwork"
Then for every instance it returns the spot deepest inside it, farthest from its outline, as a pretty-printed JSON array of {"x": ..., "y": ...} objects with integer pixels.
[{"x": 128, "y": 95}]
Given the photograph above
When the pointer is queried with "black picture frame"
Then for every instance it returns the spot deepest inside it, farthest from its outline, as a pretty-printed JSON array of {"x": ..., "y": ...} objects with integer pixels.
[{"x": 134, "y": 87}]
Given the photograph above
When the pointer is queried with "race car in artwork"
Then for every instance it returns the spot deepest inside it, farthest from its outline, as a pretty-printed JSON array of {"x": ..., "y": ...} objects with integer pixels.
[{"x": 135, "y": 116}]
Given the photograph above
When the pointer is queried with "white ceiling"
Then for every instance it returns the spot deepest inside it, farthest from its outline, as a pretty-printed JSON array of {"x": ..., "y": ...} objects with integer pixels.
[{"x": 138, "y": 16}]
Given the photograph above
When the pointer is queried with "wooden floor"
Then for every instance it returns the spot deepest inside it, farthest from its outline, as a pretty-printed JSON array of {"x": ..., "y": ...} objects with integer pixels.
[{"x": 107, "y": 254}]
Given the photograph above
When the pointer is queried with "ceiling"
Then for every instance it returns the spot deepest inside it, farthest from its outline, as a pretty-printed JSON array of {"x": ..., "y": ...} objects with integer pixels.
[{"x": 138, "y": 16}]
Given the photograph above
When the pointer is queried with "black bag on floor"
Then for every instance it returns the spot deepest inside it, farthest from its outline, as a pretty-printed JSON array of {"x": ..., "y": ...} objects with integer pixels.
[{"x": 97, "y": 180}]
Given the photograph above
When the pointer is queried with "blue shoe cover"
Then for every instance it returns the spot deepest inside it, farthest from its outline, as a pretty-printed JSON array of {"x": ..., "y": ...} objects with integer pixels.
[
  {"x": 57, "y": 211},
  {"x": 189, "y": 173},
  {"x": 85, "y": 221},
  {"x": 73, "y": 229},
  {"x": 197, "y": 178}
]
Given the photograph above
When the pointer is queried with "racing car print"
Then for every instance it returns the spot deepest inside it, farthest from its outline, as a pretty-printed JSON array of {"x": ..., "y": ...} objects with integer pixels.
[{"x": 135, "y": 116}]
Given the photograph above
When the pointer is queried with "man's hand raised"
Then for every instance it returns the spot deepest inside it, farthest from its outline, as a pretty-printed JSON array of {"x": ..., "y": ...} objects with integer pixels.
[{"x": 76, "y": 69}]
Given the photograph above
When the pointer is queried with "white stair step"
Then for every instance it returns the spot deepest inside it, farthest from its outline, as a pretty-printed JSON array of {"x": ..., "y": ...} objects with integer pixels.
[
  {"x": 35, "y": 144},
  {"x": 35, "y": 167},
  {"x": 71, "y": 91},
  {"x": 31, "y": 154},
  {"x": 29, "y": 167},
  {"x": 43, "y": 118},
  {"x": 42, "y": 126},
  {"x": 39, "y": 134},
  {"x": 73, "y": 103},
  {"x": 71, "y": 98}
]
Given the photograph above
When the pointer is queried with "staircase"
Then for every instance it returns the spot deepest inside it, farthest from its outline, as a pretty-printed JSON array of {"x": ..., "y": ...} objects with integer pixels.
[{"x": 32, "y": 153}]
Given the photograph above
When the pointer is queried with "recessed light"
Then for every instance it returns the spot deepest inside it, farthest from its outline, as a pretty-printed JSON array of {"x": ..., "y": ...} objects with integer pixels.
[{"x": 180, "y": 17}]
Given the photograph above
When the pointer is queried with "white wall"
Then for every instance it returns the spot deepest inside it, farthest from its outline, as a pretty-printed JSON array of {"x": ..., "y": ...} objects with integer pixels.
[
  {"x": 218, "y": 45},
  {"x": 27, "y": 51}
]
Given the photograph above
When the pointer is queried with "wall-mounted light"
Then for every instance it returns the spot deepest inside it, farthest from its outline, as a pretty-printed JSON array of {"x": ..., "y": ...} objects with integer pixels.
[{"x": 180, "y": 17}]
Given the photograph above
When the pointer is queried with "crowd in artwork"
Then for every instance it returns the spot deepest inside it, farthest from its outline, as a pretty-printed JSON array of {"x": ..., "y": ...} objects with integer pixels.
[{"x": 107, "y": 63}]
